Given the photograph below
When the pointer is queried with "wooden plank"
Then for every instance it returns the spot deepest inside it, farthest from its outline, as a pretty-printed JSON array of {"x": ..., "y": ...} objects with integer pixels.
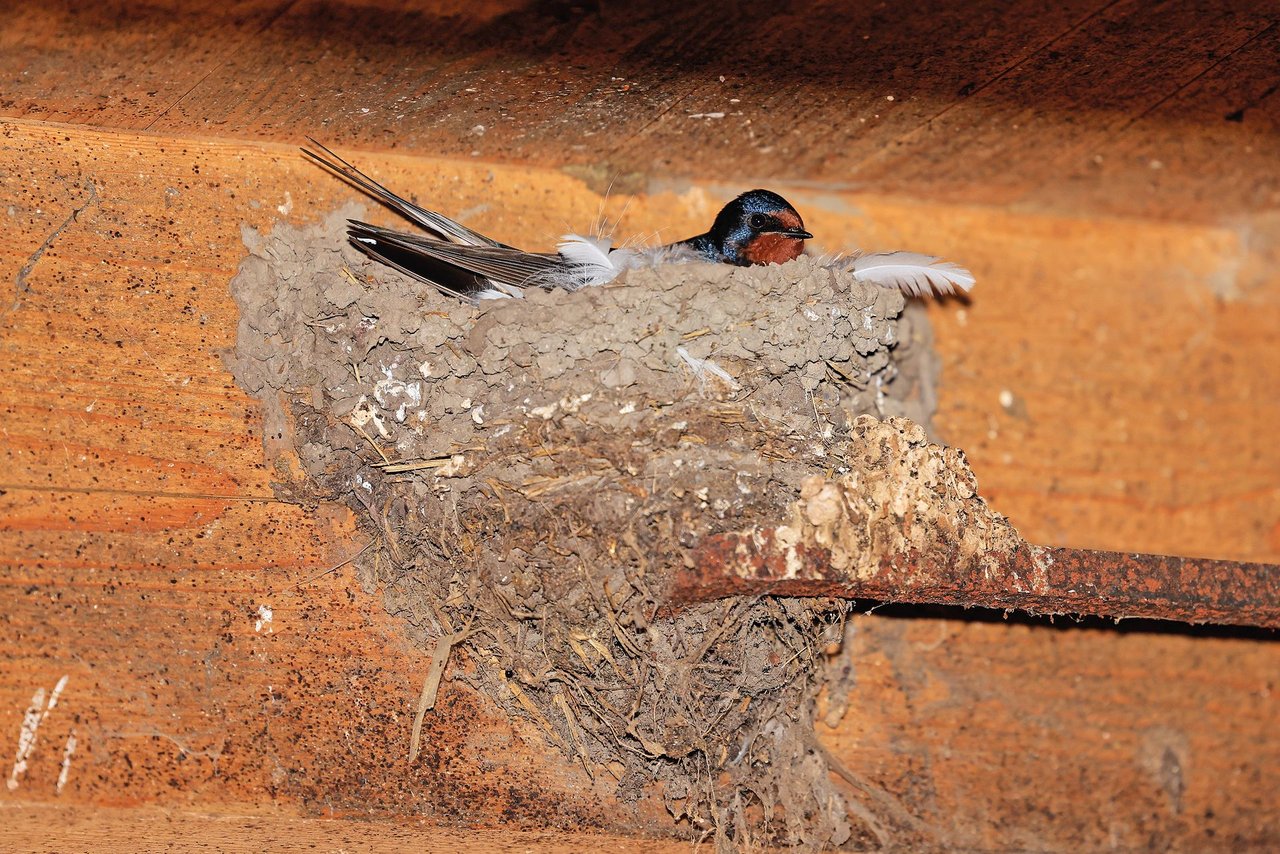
[
  {"x": 1057, "y": 114},
  {"x": 1100, "y": 416},
  {"x": 207, "y": 653},
  {"x": 139, "y": 572},
  {"x": 118, "y": 64},
  {"x": 119, "y": 315},
  {"x": 1124, "y": 740},
  {"x": 178, "y": 698},
  {"x": 1098, "y": 764},
  {"x": 210, "y": 656},
  {"x": 1222, "y": 126},
  {"x": 43, "y": 827},
  {"x": 993, "y": 103},
  {"x": 821, "y": 92}
]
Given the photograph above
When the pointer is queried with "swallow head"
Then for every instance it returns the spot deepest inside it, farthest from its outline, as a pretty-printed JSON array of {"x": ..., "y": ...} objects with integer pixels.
[{"x": 758, "y": 227}]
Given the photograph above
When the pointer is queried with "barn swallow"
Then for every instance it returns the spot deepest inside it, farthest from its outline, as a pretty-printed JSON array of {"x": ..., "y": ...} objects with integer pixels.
[{"x": 758, "y": 227}]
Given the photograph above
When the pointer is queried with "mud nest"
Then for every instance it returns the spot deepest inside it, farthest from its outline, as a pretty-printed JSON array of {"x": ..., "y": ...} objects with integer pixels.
[{"x": 532, "y": 472}]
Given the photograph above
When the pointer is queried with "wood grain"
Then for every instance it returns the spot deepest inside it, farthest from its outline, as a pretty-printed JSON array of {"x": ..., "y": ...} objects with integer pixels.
[
  {"x": 1074, "y": 105},
  {"x": 50, "y": 828},
  {"x": 140, "y": 539},
  {"x": 209, "y": 656},
  {"x": 981, "y": 736},
  {"x": 1058, "y": 110}
]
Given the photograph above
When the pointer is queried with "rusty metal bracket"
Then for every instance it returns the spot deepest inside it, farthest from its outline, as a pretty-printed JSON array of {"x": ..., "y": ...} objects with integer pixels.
[{"x": 1029, "y": 578}]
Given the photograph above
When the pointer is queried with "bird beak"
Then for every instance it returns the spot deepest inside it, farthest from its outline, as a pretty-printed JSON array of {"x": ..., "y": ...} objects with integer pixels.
[{"x": 797, "y": 233}]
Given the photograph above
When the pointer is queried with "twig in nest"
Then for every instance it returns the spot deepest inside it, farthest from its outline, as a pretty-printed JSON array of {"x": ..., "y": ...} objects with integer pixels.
[
  {"x": 842, "y": 376},
  {"x": 818, "y": 420},
  {"x": 580, "y": 652},
  {"x": 729, "y": 701},
  {"x": 369, "y": 439},
  {"x": 412, "y": 465},
  {"x": 321, "y": 321},
  {"x": 626, "y": 642},
  {"x": 536, "y": 487},
  {"x": 727, "y": 415},
  {"x": 497, "y": 487},
  {"x": 431, "y": 687},
  {"x": 714, "y": 635},
  {"x": 523, "y": 699},
  {"x": 389, "y": 534},
  {"x": 575, "y": 736}
]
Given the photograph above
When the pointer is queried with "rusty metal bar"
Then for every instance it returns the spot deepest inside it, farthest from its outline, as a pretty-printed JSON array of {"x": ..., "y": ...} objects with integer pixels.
[{"x": 1029, "y": 578}]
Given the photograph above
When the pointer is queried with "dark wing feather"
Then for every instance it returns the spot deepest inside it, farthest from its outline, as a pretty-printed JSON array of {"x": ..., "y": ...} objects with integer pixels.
[
  {"x": 428, "y": 259},
  {"x": 436, "y": 223}
]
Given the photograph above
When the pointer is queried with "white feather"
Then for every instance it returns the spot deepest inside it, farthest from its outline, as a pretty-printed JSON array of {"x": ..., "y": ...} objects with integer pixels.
[
  {"x": 702, "y": 367},
  {"x": 910, "y": 272},
  {"x": 590, "y": 262},
  {"x": 673, "y": 253}
]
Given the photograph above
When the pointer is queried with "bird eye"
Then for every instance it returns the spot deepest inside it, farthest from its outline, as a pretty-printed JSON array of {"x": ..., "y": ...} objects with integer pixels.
[{"x": 757, "y": 221}]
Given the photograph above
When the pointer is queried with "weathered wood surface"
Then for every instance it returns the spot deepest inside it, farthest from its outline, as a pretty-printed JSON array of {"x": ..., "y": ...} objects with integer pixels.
[
  {"x": 141, "y": 543},
  {"x": 1119, "y": 106},
  {"x": 53, "y": 828},
  {"x": 141, "y": 539},
  {"x": 989, "y": 736},
  {"x": 1112, "y": 381}
]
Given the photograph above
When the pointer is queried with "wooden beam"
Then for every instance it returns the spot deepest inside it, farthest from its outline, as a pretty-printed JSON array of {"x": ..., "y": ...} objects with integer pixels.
[
  {"x": 62, "y": 828},
  {"x": 1118, "y": 108},
  {"x": 141, "y": 542}
]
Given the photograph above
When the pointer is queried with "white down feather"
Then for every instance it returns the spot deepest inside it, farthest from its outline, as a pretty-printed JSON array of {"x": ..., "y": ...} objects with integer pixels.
[
  {"x": 593, "y": 261},
  {"x": 910, "y": 272}
]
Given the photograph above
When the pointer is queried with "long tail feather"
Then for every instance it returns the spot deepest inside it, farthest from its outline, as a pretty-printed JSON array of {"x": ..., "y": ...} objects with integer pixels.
[
  {"x": 404, "y": 252},
  {"x": 371, "y": 247},
  {"x": 503, "y": 268},
  {"x": 436, "y": 223}
]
